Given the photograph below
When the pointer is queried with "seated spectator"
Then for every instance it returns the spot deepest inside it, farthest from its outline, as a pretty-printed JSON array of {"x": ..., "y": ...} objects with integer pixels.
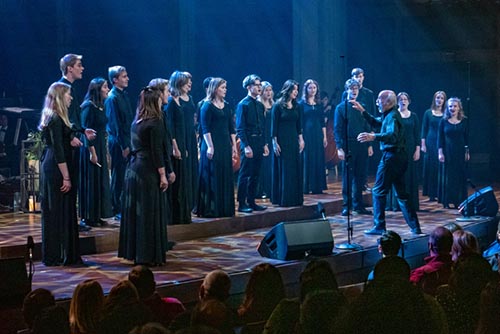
[
  {"x": 86, "y": 307},
  {"x": 464, "y": 244},
  {"x": 460, "y": 298},
  {"x": 492, "y": 253},
  {"x": 318, "y": 312},
  {"x": 263, "y": 292},
  {"x": 452, "y": 227},
  {"x": 163, "y": 310},
  {"x": 390, "y": 304},
  {"x": 122, "y": 310},
  {"x": 489, "y": 309},
  {"x": 437, "y": 269},
  {"x": 213, "y": 313},
  {"x": 33, "y": 304},
  {"x": 317, "y": 276},
  {"x": 52, "y": 320},
  {"x": 150, "y": 328},
  {"x": 216, "y": 285},
  {"x": 389, "y": 244}
]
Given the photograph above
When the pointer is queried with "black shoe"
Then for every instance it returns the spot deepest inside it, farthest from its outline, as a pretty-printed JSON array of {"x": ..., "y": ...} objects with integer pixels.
[
  {"x": 244, "y": 208},
  {"x": 345, "y": 212},
  {"x": 118, "y": 216},
  {"x": 374, "y": 231},
  {"x": 363, "y": 211},
  {"x": 257, "y": 207}
]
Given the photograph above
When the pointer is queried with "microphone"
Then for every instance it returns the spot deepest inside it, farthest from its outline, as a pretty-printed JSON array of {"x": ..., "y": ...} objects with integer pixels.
[{"x": 31, "y": 245}]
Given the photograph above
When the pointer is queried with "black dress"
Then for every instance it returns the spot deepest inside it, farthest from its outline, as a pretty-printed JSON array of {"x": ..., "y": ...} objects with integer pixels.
[
  {"x": 287, "y": 167},
  {"x": 266, "y": 168},
  {"x": 95, "y": 195},
  {"x": 59, "y": 219},
  {"x": 452, "y": 138},
  {"x": 313, "y": 122},
  {"x": 430, "y": 124},
  {"x": 143, "y": 234},
  {"x": 412, "y": 136},
  {"x": 181, "y": 209},
  {"x": 216, "y": 184},
  {"x": 189, "y": 111}
]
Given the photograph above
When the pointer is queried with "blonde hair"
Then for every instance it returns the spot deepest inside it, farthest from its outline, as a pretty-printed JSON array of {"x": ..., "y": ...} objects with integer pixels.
[
  {"x": 86, "y": 307},
  {"x": 55, "y": 105}
]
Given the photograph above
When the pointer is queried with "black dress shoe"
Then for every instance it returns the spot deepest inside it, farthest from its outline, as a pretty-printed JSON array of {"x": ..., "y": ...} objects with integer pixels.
[
  {"x": 83, "y": 227},
  {"x": 416, "y": 231},
  {"x": 257, "y": 207},
  {"x": 363, "y": 211},
  {"x": 374, "y": 231},
  {"x": 345, "y": 212},
  {"x": 244, "y": 208}
]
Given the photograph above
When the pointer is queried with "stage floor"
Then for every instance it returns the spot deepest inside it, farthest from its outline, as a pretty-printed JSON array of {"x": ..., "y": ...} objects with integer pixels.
[{"x": 230, "y": 244}]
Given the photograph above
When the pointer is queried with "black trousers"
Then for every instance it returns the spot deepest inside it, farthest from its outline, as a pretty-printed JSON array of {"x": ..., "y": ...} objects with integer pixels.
[
  {"x": 118, "y": 166},
  {"x": 248, "y": 177},
  {"x": 358, "y": 159},
  {"x": 391, "y": 171}
]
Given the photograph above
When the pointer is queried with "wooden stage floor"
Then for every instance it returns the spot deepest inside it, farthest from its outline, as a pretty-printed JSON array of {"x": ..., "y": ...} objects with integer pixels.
[{"x": 230, "y": 244}]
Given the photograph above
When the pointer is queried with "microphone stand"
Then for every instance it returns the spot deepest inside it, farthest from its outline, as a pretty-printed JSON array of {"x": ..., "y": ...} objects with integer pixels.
[
  {"x": 30, "y": 245},
  {"x": 347, "y": 157}
]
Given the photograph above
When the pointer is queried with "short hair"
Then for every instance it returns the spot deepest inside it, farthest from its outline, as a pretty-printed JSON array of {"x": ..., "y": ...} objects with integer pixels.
[
  {"x": 357, "y": 71},
  {"x": 177, "y": 80},
  {"x": 392, "y": 268},
  {"x": 390, "y": 242},
  {"x": 441, "y": 240},
  {"x": 114, "y": 72},
  {"x": 68, "y": 60},
  {"x": 206, "y": 82},
  {"x": 216, "y": 285},
  {"x": 250, "y": 80},
  {"x": 143, "y": 279},
  {"x": 35, "y": 302},
  {"x": 351, "y": 83}
]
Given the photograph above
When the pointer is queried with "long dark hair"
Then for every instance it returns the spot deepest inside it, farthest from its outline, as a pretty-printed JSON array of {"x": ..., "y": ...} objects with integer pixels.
[
  {"x": 94, "y": 93},
  {"x": 285, "y": 92},
  {"x": 148, "y": 106},
  {"x": 305, "y": 93}
]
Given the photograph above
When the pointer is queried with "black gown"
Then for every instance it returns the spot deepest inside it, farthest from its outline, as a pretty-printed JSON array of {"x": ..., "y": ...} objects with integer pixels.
[
  {"x": 180, "y": 189},
  {"x": 143, "y": 230},
  {"x": 452, "y": 138},
  {"x": 430, "y": 124},
  {"x": 189, "y": 111},
  {"x": 95, "y": 194},
  {"x": 216, "y": 184},
  {"x": 59, "y": 219},
  {"x": 313, "y": 122},
  {"x": 412, "y": 136},
  {"x": 266, "y": 167},
  {"x": 287, "y": 168}
]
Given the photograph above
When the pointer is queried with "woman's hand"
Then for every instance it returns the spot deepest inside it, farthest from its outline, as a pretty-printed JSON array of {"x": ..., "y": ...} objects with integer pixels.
[
  {"x": 210, "y": 152},
  {"x": 66, "y": 185},
  {"x": 163, "y": 182}
]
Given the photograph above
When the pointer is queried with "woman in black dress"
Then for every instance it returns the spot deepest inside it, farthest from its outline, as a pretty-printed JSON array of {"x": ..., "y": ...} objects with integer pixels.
[
  {"x": 265, "y": 179},
  {"x": 453, "y": 153},
  {"x": 216, "y": 184},
  {"x": 288, "y": 143},
  {"x": 58, "y": 197},
  {"x": 177, "y": 122},
  {"x": 314, "y": 127},
  {"x": 143, "y": 232},
  {"x": 94, "y": 192},
  {"x": 430, "y": 124}
]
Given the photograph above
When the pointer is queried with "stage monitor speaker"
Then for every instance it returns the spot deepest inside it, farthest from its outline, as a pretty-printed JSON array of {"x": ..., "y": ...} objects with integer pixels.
[
  {"x": 297, "y": 239},
  {"x": 480, "y": 203},
  {"x": 14, "y": 283}
]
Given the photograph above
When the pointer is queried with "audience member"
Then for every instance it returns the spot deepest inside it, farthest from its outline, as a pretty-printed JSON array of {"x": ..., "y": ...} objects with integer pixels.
[
  {"x": 317, "y": 276},
  {"x": 452, "y": 226},
  {"x": 489, "y": 309},
  {"x": 216, "y": 285},
  {"x": 263, "y": 292},
  {"x": 493, "y": 251},
  {"x": 464, "y": 244},
  {"x": 437, "y": 268},
  {"x": 122, "y": 310},
  {"x": 150, "y": 328},
  {"x": 52, "y": 320},
  {"x": 318, "y": 312},
  {"x": 163, "y": 310},
  {"x": 460, "y": 298},
  {"x": 86, "y": 307},
  {"x": 391, "y": 268},
  {"x": 389, "y": 244},
  {"x": 213, "y": 313},
  {"x": 34, "y": 303}
]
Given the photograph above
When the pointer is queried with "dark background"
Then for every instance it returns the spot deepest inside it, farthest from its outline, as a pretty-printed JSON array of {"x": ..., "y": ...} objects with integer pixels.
[{"x": 417, "y": 46}]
